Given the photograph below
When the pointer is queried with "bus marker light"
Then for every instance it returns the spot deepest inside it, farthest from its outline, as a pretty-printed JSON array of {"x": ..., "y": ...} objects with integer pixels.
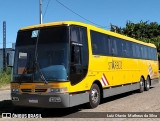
[{"x": 58, "y": 90}]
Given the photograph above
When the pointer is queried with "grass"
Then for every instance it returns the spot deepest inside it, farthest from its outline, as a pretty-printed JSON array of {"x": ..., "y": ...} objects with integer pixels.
[{"x": 5, "y": 77}]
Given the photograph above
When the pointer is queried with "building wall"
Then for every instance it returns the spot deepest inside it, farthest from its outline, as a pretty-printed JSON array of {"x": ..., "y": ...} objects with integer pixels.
[{"x": 10, "y": 53}]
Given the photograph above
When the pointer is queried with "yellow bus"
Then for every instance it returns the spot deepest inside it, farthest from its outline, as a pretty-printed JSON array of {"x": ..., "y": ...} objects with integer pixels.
[{"x": 64, "y": 64}]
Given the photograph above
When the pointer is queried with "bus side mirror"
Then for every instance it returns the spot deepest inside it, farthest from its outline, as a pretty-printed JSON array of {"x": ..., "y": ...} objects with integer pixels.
[
  {"x": 10, "y": 57},
  {"x": 8, "y": 60}
]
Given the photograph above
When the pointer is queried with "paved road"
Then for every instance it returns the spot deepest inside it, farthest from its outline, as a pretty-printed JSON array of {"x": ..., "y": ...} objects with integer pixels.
[
  {"x": 5, "y": 95},
  {"x": 129, "y": 102}
]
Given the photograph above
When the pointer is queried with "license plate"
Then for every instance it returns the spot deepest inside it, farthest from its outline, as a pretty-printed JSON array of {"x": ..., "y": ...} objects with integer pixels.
[{"x": 33, "y": 101}]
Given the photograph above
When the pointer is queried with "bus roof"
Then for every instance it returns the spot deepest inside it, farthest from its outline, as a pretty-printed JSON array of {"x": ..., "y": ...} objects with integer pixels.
[{"x": 91, "y": 27}]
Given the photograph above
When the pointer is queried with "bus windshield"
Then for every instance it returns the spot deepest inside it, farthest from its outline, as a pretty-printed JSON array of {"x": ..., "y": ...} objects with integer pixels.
[{"x": 51, "y": 55}]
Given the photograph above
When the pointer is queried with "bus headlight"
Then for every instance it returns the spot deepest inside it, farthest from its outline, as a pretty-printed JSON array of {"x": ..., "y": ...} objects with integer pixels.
[
  {"x": 15, "y": 90},
  {"x": 59, "y": 90}
]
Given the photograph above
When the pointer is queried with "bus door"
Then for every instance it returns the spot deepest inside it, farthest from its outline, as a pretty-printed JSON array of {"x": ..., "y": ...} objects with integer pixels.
[{"x": 79, "y": 54}]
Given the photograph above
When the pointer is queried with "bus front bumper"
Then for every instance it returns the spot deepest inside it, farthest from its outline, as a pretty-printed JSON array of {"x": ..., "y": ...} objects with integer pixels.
[
  {"x": 39, "y": 100},
  {"x": 49, "y": 100}
]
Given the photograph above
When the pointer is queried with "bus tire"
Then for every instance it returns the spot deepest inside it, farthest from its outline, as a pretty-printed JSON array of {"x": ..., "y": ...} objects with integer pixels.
[
  {"x": 94, "y": 96},
  {"x": 147, "y": 84},
  {"x": 141, "y": 85}
]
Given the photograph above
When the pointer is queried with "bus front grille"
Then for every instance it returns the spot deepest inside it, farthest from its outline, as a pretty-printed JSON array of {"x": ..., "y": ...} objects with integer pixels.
[
  {"x": 40, "y": 90},
  {"x": 33, "y": 90},
  {"x": 26, "y": 90}
]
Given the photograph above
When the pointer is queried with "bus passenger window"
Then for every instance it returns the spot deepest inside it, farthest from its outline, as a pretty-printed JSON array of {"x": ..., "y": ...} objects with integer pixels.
[
  {"x": 99, "y": 43},
  {"x": 114, "y": 47}
]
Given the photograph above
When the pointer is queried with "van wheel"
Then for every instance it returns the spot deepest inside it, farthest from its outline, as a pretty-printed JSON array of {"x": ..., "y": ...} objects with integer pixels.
[
  {"x": 94, "y": 96},
  {"x": 147, "y": 84},
  {"x": 141, "y": 85}
]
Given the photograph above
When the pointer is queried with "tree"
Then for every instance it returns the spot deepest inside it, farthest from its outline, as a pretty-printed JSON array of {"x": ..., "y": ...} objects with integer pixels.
[{"x": 143, "y": 31}]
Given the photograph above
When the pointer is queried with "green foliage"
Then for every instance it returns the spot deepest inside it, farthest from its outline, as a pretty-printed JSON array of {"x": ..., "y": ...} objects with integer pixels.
[
  {"x": 144, "y": 31},
  {"x": 5, "y": 77}
]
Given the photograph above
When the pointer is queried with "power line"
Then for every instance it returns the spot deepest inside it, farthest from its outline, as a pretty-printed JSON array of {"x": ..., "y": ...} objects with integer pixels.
[
  {"x": 46, "y": 8},
  {"x": 80, "y": 15}
]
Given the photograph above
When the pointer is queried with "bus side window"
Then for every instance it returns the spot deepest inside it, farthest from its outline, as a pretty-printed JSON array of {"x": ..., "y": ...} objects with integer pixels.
[
  {"x": 145, "y": 52},
  {"x": 100, "y": 43},
  {"x": 75, "y": 55},
  {"x": 75, "y": 34},
  {"x": 134, "y": 50},
  {"x": 129, "y": 51},
  {"x": 124, "y": 49},
  {"x": 154, "y": 54},
  {"x": 114, "y": 47},
  {"x": 142, "y": 52}
]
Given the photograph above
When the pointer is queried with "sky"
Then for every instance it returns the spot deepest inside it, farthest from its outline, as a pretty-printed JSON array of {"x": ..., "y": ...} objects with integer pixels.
[{"x": 101, "y": 13}]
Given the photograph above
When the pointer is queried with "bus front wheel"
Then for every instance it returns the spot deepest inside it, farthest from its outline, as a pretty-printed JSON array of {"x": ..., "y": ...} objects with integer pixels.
[{"x": 94, "y": 96}]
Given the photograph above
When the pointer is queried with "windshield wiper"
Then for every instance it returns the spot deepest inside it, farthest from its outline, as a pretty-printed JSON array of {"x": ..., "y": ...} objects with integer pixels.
[
  {"x": 36, "y": 62},
  {"x": 40, "y": 72}
]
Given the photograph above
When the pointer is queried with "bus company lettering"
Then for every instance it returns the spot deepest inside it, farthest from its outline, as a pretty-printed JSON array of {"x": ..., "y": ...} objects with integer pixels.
[{"x": 115, "y": 64}]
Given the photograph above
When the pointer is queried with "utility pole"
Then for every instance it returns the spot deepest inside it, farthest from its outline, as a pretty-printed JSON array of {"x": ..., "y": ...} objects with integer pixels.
[
  {"x": 40, "y": 10},
  {"x": 4, "y": 45}
]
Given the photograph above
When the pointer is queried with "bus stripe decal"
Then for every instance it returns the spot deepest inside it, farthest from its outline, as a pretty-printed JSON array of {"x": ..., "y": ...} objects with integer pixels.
[
  {"x": 104, "y": 80},
  {"x": 150, "y": 71}
]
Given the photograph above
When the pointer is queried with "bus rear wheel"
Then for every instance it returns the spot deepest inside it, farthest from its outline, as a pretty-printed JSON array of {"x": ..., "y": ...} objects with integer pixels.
[
  {"x": 141, "y": 85},
  {"x": 94, "y": 96},
  {"x": 147, "y": 84}
]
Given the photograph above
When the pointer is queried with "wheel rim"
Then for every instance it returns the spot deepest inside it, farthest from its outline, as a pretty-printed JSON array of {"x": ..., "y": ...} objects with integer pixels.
[
  {"x": 147, "y": 85},
  {"x": 142, "y": 84},
  {"x": 94, "y": 96}
]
